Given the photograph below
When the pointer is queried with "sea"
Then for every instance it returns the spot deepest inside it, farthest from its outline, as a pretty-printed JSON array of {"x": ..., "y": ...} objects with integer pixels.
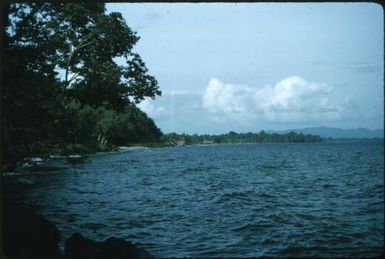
[{"x": 322, "y": 199}]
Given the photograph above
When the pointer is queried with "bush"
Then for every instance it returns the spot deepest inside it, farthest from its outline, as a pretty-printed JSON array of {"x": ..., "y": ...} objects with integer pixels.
[{"x": 75, "y": 149}]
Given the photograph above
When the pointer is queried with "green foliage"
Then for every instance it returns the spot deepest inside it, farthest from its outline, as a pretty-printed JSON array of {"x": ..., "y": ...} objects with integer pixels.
[
  {"x": 87, "y": 108},
  {"x": 103, "y": 127},
  {"x": 74, "y": 148},
  {"x": 233, "y": 137}
]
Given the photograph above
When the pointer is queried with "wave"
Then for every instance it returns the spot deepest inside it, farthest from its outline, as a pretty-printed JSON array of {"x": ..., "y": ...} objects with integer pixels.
[
  {"x": 230, "y": 196},
  {"x": 199, "y": 169}
]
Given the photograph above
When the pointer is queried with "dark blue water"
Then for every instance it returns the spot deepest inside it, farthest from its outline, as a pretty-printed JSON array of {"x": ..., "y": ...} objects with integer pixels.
[{"x": 310, "y": 199}]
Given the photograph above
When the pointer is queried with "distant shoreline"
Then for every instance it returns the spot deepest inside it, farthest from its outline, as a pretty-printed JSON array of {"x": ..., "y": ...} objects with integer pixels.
[{"x": 122, "y": 149}]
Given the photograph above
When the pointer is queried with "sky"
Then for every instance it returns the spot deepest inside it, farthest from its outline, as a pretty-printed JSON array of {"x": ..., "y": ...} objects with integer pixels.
[{"x": 247, "y": 67}]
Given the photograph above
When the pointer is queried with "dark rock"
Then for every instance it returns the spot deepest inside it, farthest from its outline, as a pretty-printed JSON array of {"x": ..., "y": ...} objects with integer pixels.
[
  {"x": 77, "y": 247},
  {"x": 27, "y": 235},
  {"x": 118, "y": 248},
  {"x": 144, "y": 254}
]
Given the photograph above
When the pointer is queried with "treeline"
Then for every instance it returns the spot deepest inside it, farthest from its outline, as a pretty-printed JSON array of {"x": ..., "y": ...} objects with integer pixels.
[
  {"x": 233, "y": 137},
  {"x": 63, "y": 90}
]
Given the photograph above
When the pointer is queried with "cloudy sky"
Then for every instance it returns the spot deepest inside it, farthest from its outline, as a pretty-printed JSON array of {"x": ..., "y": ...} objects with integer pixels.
[{"x": 247, "y": 67}]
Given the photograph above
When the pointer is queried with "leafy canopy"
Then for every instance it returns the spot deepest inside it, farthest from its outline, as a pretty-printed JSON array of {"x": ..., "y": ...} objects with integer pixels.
[
  {"x": 83, "y": 42},
  {"x": 62, "y": 83}
]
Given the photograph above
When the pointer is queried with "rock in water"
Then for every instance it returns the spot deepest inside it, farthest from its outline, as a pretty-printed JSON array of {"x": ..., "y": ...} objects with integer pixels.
[
  {"x": 77, "y": 247},
  {"x": 27, "y": 235},
  {"x": 118, "y": 248}
]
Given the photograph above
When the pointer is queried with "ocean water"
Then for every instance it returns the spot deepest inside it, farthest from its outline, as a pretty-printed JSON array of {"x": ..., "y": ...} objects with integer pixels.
[{"x": 243, "y": 200}]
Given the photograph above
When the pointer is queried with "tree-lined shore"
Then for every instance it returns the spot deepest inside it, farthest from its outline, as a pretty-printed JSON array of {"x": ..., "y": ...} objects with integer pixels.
[
  {"x": 233, "y": 137},
  {"x": 71, "y": 82}
]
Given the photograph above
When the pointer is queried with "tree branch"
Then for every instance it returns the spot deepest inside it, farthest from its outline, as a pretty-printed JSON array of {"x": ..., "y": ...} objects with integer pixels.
[
  {"x": 72, "y": 57},
  {"x": 73, "y": 77},
  {"x": 90, "y": 38}
]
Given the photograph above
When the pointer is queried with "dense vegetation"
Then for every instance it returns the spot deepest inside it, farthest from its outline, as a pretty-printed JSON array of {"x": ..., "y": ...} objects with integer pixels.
[
  {"x": 71, "y": 80},
  {"x": 233, "y": 137},
  {"x": 63, "y": 89}
]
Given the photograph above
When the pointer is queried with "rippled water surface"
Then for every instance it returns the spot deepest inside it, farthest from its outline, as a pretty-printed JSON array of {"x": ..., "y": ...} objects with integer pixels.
[{"x": 310, "y": 199}]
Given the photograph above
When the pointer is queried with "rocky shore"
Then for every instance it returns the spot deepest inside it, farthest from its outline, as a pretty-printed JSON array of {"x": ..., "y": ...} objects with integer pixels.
[{"x": 29, "y": 236}]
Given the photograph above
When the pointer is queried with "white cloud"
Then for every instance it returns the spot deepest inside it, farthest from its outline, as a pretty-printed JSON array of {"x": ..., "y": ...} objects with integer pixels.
[
  {"x": 292, "y": 99},
  {"x": 181, "y": 92},
  {"x": 226, "y": 98},
  {"x": 152, "y": 110}
]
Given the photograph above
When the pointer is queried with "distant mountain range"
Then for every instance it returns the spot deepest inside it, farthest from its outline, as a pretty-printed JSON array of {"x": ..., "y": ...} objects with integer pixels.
[{"x": 327, "y": 132}]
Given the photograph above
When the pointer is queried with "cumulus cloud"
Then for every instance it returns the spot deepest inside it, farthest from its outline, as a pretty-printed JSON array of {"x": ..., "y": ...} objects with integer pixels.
[
  {"x": 227, "y": 98},
  {"x": 152, "y": 110},
  {"x": 292, "y": 99}
]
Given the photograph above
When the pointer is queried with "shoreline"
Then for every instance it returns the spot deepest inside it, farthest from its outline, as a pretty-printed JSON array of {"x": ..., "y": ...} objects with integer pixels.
[
  {"x": 121, "y": 149},
  {"x": 52, "y": 157}
]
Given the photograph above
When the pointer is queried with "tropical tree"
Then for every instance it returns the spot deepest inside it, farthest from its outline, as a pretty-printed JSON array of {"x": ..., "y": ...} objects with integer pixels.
[{"x": 54, "y": 53}]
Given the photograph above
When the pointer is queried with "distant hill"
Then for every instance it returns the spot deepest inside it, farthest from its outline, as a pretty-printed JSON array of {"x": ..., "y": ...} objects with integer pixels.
[{"x": 327, "y": 132}]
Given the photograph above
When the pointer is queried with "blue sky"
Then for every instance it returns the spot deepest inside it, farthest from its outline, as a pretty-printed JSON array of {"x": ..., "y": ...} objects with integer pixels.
[{"x": 253, "y": 66}]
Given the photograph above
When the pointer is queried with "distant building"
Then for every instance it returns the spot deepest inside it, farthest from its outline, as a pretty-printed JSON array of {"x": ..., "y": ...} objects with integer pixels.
[{"x": 205, "y": 141}]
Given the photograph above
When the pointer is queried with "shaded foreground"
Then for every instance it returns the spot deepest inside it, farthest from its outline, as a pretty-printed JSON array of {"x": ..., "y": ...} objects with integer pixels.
[{"x": 27, "y": 235}]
